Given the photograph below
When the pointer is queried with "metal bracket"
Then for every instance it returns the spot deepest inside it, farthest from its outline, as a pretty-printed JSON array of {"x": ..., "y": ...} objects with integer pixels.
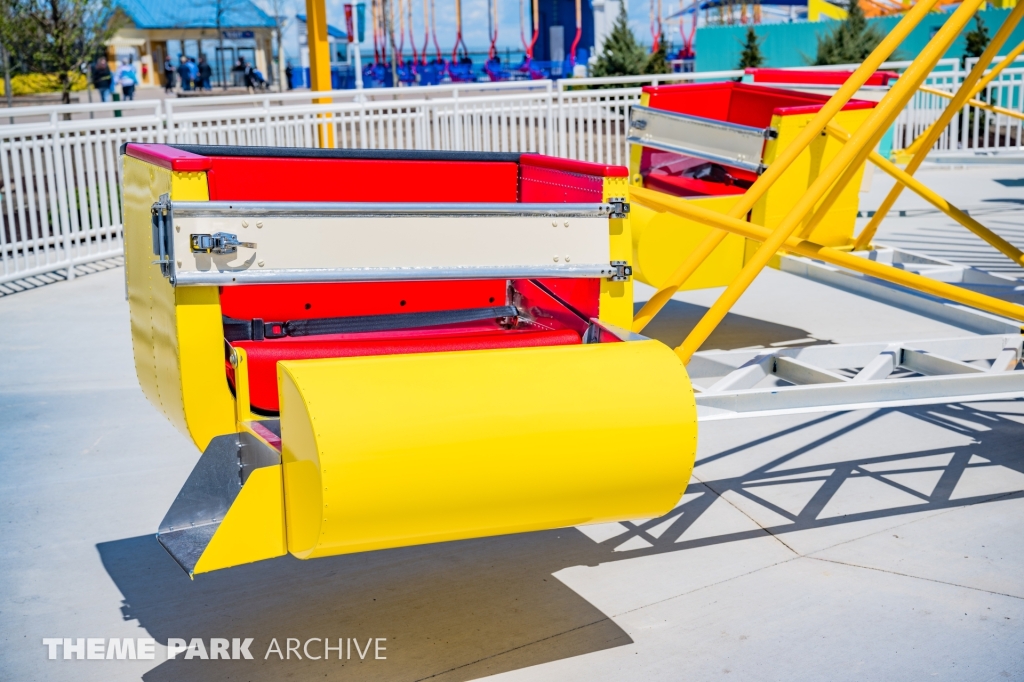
[
  {"x": 619, "y": 207},
  {"x": 219, "y": 243},
  {"x": 623, "y": 271},
  {"x": 163, "y": 241},
  {"x": 771, "y": 134}
]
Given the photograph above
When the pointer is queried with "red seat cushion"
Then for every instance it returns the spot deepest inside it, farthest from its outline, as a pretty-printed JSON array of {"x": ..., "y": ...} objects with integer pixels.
[{"x": 263, "y": 356}]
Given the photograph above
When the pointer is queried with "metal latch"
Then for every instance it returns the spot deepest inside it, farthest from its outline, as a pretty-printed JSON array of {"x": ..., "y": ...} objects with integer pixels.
[
  {"x": 219, "y": 242},
  {"x": 163, "y": 244},
  {"x": 623, "y": 271},
  {"x": 620, "y": 207}
]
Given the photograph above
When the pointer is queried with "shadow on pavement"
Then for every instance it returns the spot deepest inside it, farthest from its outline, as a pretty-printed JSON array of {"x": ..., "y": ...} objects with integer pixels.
[
  {"x": 677, "y": 318},
  {"x": 451, "y": 611},
  {"x": 463, "y": 610}
]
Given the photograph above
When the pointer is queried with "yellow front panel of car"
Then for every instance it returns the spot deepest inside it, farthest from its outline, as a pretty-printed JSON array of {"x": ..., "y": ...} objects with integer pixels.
[{"x": 400, "y": 450}]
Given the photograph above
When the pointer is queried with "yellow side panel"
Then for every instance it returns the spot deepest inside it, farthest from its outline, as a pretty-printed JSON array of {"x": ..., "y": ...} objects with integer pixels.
[
  {"x": 617, "y": 297},
  {"x": 253, "y": 528},
  {"x": 150, "y": 295},
  {"x": 662, "y": 241},
  {"x": 636, "y": 151},
  {"x": 176, "y": 332},
  {"x": 399, "y": 450},
  {"x": 836, "y": 228}
]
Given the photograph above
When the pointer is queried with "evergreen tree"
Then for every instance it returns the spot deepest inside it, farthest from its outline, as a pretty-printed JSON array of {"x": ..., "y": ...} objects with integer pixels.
[
  {"x": 751, "y": 57},
  {"x": 977, "y": 40},
  {"x": 621, "y": 54},
  {"x": 657, "y": 61},
  {"x": 851, "y": 41}
]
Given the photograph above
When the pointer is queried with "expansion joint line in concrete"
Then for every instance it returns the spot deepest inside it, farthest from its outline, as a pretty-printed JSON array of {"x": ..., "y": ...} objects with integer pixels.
[{"x": 915, "y": 577}]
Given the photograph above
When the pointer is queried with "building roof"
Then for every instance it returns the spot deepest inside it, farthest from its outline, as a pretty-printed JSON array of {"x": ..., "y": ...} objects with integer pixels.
[
  {"x": 156, "y": 14},
  {"x": 332, "y": 31}
]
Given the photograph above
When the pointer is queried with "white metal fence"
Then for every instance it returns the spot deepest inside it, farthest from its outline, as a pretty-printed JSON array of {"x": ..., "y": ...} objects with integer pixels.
[
  {"x": 60, "y": 198},
  {"x": 972, "y": 129}
]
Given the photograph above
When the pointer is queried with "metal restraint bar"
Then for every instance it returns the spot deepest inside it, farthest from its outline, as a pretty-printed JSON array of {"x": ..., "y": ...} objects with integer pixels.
[
  {"x": 727, "y": 143},
  {"x": 224, "y": 243}
]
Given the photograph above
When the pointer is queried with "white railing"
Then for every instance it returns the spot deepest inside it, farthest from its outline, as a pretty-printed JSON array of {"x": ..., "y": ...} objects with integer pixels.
[
  {"x": 60, "y": 197},
  {"x": 972, "y": 129}
]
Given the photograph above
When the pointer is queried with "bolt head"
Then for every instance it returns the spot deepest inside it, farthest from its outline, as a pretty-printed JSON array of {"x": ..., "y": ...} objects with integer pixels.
[{"x": 245, "y": 223}]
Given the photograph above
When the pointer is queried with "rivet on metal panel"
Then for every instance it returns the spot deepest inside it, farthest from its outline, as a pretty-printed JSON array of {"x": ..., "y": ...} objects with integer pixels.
[
  {"x": 261, "y": 264},
  {"x": 566, "y": 259},
  {"x": 259, "y": 224},
  {"x": 567, "y": 223},
  {"x": 177, "y": 228},
  {"x": 245, "y": 223},
  {"x": 554, "y": 223},
  {"x": 556, "y": 259}
]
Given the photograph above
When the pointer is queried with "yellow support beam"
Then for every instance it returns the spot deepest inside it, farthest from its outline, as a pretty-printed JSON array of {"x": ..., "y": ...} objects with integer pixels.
[
  {"x": 785, "y": 159},
  {"x": 977, "y": 103},
  {"x": 319, "y": 62},
  {"x": 929, "y": 195},
  {"x": 845, "y": 164},
  {"x": 966, "y": 92},
  {"x": 834, "y": 256}
]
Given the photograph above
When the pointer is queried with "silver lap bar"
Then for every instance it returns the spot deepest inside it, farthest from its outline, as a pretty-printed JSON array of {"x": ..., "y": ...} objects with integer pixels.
[
  {"x": 726, "y": 143},
  {"x": 227, "y": 242}
]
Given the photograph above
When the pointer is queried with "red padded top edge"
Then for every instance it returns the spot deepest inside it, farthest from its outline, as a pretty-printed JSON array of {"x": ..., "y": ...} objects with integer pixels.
[
  {"x": 168, "y": 157},
  {"x": 852, "y": 105},
  {"x": 571, "y": 166},
  {"x": 815, "y": 77}
]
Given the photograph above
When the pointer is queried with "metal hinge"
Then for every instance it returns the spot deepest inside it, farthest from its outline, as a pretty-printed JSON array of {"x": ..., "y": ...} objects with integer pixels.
[
  {"x": 623, "y": 271},
  {"x": 219, "y": 242},
  {"x": 163, "y": 242},
  {"x": 620, "y": 207}
]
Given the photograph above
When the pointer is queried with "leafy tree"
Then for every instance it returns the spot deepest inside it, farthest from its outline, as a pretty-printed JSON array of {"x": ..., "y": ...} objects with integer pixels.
[
  {"x": 621, "y": 54},
  {"x": 67, "y": 33},
  {"x": 850, "y": 41},
  {"x": 14, "y": 33},
  {"x": 657, "y": 61},
  {"x": 751, "y": 57},
  {"x": 977, "y": 39}
]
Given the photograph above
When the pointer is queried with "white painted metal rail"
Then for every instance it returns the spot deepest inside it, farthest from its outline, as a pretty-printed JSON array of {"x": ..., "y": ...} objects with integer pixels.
[{"x": 59, "y": 168}]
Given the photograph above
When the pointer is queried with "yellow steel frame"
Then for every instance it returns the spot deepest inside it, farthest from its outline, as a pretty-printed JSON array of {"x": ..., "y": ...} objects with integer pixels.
[
  {"x": 932, "y": 197},
  {"x": 834, "y": 256},
  {"x": 319, "y": 63},
  {"x": 835, "y": 104},
  {"x": 837, "y": 173},
  {"x": 966, "y": 92}
]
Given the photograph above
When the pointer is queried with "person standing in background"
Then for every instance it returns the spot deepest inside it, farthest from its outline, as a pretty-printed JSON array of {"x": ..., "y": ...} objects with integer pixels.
[
  {"x": 102, "y": 79},
  {"x": 126, "y": 78},
  {"x": 205, "y": 73},
  {"x": 168, "y": 75},
  {"x": 193, "y": 74},
  {"x": 185, "y": 73}
]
